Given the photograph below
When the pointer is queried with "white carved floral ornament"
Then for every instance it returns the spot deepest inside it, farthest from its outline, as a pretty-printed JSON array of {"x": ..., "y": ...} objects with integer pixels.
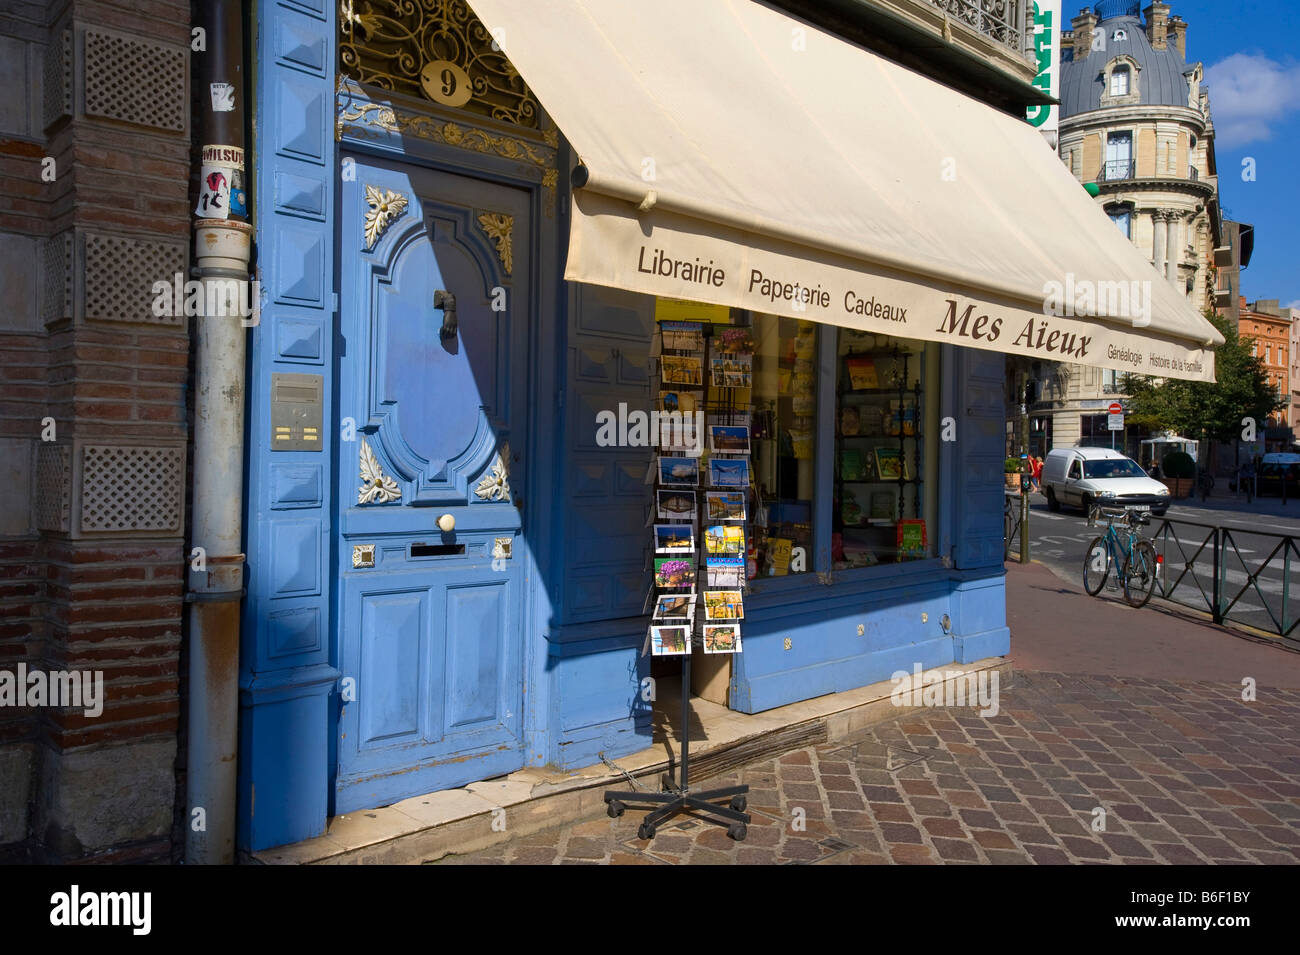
[
  {"x": 385, "y": 206},
  {"x": 495, "y": 486},
  {"x": 378, "y": 488}
]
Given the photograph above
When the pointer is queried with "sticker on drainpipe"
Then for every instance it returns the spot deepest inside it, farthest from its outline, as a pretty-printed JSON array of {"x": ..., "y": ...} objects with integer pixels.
[
  {"x": 221, "y": 182},
  {"x": 223, "y": 98}
]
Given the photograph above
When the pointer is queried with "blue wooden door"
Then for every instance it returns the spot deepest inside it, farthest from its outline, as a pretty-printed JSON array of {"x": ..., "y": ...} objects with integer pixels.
[{"x": 433, "y": 372}]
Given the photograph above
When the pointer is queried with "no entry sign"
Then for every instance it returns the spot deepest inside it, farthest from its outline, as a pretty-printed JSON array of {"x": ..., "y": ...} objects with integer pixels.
[{"x": 1115, "y": 416}]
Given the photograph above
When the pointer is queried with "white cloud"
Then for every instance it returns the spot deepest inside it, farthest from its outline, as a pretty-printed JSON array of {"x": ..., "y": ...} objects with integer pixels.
[{"x": 1249, "y": 93}]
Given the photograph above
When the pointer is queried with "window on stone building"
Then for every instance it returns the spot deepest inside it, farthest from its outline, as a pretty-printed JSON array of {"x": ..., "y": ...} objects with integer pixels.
[
  {"x": 1119, "y": 80},
  {"x": 1123, "y": 220}
]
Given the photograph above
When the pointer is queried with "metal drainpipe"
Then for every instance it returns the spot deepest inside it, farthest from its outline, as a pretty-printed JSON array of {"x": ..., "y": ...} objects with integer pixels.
[{"x": 216, "y": 575}]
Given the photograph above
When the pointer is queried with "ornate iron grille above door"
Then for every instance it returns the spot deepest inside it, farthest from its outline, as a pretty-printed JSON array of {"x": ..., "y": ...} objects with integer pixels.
[{"x": 436, "y": 49}]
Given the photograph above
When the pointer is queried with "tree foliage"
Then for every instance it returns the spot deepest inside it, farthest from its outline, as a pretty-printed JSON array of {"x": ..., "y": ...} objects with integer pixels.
[{"x": 1208, "y": 409}]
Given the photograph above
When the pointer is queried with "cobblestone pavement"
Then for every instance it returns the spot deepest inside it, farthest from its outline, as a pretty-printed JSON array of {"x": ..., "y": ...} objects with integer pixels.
[{"x": 1185, "y": 772}]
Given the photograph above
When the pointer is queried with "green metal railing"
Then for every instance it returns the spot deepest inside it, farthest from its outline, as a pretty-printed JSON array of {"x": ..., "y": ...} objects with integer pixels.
[{"x": 1228, "y": 588}]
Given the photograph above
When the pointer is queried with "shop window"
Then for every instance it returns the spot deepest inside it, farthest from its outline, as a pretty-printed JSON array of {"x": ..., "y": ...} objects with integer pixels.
[
  {"x": 784, "y": 446},
  {"x": 883, "y": 506}
]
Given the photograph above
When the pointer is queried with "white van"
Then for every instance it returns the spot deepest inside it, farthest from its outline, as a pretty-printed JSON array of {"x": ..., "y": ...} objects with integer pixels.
[{"x": 1081, "y": 477}]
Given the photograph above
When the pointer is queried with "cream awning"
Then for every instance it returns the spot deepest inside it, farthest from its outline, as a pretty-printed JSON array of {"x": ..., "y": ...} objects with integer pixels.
[{"x": 741, "y": 157}]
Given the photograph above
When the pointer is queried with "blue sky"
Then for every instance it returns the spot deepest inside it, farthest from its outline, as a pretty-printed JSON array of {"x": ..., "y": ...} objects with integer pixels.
[{"x": 1253, "y": 74}]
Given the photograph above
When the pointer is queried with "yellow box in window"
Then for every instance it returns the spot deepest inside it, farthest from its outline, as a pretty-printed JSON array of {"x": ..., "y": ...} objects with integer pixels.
[{"x": 681, "y": 310}]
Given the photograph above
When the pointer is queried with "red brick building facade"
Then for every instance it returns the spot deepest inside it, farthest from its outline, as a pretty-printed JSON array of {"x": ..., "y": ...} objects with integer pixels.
[
  {"x": 1269, "y": 328},
  {"x": 94, "y": 208}
]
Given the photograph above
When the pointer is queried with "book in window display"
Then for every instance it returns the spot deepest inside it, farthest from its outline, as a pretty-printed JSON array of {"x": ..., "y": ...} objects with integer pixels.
[
  {"x": 850, "y": 421},
  {"x": 884, "y": 504},
  {"x": 891, "y": 464},
  {"x": 861, "y": 373},
  {"x": 911, "y": 539},
  {"x": 853, "y": 465},
  {"x": 850, "y": 509},
  {"x": 779, "y": 550}
]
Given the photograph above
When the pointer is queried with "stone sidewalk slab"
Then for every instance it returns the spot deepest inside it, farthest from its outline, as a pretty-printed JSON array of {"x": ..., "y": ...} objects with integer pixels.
[{"x": 1074, "y": 769}]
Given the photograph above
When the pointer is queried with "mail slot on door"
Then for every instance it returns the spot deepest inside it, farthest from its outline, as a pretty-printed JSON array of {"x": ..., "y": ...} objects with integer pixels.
[{"x": 297, "y": 407}]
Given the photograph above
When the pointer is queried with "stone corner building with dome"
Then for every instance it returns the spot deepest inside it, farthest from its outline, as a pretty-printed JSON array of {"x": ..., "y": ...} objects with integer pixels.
[{"x": 1135, "y": 120}]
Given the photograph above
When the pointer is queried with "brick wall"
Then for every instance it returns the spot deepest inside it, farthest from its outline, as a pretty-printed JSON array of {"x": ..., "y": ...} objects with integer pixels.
[{"x": 92, "y": 526}]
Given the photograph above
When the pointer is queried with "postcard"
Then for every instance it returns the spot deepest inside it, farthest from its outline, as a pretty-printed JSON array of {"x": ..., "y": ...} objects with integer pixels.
[
  {"x": 729, "y": 439},
  {"x": 723, "y": 605},
  {"x": 683, "y": 336},
  {"x": 682, "y": 370},
  {"x": 722, "y": 638},
  {"x": 674, "y": 539},
  {"x": 684, "y": 401},
  {"x": 736, "y": 339},
  {"x": 675, "y": 607},
  {"x": 725, "y": 539},
  {"x": 728, "y": 472},
  {"x": 683, "y": 472},
  {"x": 725, "y": 505},
  {"x": 674, "y": 573},
  {"x": 675, "y": 505},
  {"x": 725, "y": 572},
  {"x": 731, "y": 371},
  {"x": 670, "y": 641}
]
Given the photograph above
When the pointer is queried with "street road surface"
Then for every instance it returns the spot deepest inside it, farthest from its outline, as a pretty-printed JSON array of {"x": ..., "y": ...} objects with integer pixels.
[{"x": 1253, "y": 531}]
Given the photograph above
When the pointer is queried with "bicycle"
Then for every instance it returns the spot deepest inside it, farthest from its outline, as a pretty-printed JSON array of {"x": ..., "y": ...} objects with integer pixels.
[
  {"x": 1205, "y": 483},
  {"x": 1134, "y": 556}
]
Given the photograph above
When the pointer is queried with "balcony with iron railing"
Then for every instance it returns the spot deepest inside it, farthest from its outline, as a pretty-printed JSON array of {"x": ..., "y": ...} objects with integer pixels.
[
  {"x": 1113, "y": 170},
  {"x": 1121, "y": 170},
  {"x": 1000, "y": 20}
]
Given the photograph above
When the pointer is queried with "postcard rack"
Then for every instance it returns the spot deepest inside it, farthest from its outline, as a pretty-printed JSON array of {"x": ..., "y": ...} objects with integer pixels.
[{"x": 673, "y": 574}]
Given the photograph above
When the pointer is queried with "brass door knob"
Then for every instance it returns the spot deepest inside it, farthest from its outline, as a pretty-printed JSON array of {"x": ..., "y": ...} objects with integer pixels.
[{"x": 447, "y": 523}]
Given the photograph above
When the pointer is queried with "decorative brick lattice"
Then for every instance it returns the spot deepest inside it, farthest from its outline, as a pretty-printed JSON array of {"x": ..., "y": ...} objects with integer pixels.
[
  {"x": 136, "y": 81},
  {"x": 53, "y": 486},
  {"x": 131, "y": 489},
  {"x": 120, "y": 273},
  {"x": 58, "y": 77},
  {"x": 56, "y": 263}
]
